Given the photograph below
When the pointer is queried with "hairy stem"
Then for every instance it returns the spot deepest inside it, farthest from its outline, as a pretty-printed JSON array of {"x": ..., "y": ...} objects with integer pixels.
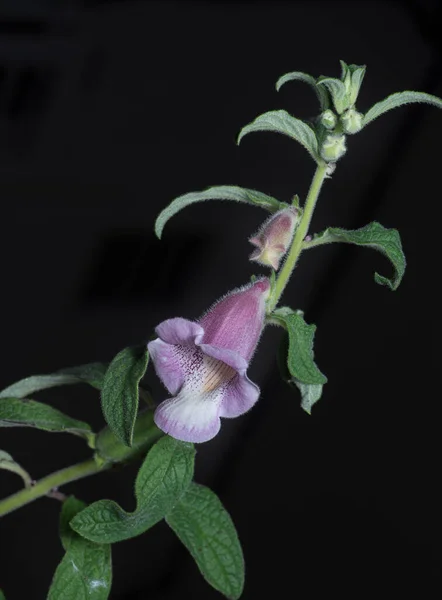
[
  {"x": 45, "y": 486},
  {"x": 301, "y": 232}
]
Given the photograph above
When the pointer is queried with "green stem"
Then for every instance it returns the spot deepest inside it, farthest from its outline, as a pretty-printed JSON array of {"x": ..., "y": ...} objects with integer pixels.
[
  {"x": 301, "y": 232},
  {"x": 49, "y": 483},
  {"x": 109, "y": 450}
]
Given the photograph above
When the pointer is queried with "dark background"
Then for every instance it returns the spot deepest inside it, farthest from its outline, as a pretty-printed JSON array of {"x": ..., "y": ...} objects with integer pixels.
[{"x": 109, "y": 110}]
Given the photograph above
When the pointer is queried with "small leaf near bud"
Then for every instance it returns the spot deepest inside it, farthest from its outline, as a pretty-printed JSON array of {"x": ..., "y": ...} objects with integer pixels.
[
  {"x": 351, "y": 121},
  {"x": 333, "y": 148},
  {"x": 328, "y": 119}
]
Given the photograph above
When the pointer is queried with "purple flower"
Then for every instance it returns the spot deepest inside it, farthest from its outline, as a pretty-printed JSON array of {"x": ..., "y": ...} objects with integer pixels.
[{"x": 203, "y": 365}]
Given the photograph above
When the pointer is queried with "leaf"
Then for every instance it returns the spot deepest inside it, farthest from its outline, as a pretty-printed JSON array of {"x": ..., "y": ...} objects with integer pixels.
[
  {"x": 221, "y": 192},
  {"x": 85, "y": 572},
  {"x": 373, "y": 235},
  {"x": 396, "y": 100},
  {"x": 206, "y": 529},
  {"x": 279, "y": 121},
  {"x": 298, "y": 76},
  {"x": 92, "y": 373},
  {"x": 162, "y": 479},
  {"x": 310, "y": 394},
  {"x": 2, "y": 596},
  {"x": 119, "y": 396},
  {"x": 110, "y": 449},
  {"x": 15, "y": 412},
  {"x": 337, "y": 91},
  {"x": 8, "y": 464},
  {"x": 300, "y": 361},
  {"x": 357, "y": 76}
]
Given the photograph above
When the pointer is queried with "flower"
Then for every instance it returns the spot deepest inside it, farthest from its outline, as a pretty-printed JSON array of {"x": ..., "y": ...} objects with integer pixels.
[
  {"x": 203, "y": 364},
  {"x": 274, "y": 237}
]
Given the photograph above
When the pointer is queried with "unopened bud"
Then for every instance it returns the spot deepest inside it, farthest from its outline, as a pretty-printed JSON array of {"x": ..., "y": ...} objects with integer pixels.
[
  {"x": 351, "y": 121},
  {"x": 328, "y": 119},
  {"x": 274, "y": 238},
  {"x": 333, "y": 148}
]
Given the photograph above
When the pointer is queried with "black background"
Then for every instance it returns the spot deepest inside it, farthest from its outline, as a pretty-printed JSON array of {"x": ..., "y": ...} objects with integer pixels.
[{"x": 109, "y": 110}]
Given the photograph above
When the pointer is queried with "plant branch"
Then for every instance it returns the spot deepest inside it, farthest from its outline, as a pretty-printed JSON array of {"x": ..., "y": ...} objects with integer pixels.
[{"x": 301, "y": 232}]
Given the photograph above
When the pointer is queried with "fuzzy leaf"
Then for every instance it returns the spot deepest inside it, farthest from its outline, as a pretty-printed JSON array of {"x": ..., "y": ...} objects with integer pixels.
[
  {"x": 374, "y": 235},
  {"x": 300, "y": 361},
  {"x": 396, "y": 100},
  {"x": 279, "y": 121},
  {"x": 15, "y": 412},
  {"x": 85, "y": 572},
  {"x": 119, "y": 396},
  {"x": 310, "y": 394},
  {"x": 92, "y": 373},
  {"x": 298, "y": 76},
  {"x": 2, "y": 596},
  {"x": 337, "y": 91},
  {"x": 8, "y": 464},
  {"x": 162, "y": 479},
  {"x": 221, "y": 192},
  {"x": 206, "y": 529}
]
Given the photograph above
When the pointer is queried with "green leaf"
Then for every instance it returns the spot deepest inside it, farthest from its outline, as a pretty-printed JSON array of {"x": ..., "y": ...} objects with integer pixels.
[
  {"x": 310, "y": 394},
  {"x": 8, "y": 464},
  {"x": 298, "y": 76},
  {"x": 221, "y": 192},
  {"x": 357, "y": 76},
  {"x": 92, "y": 374},
  {"x": 162, "y": 479},
  {"x": 337, "y": 91},
  {"x": 2, "y": 596},
  {"x": 300, "y": 361},
  {"x": 279, "y": 121},
  {"x": 85, "y": 572},
  {"x": 15, "y": 412},
  {"x": 374, "y": 235},
  {"x": 110, "y": 449},
  {"x": 396, "y": 100},
  {"x": 119, "y": 396},
  {"x": 206, "y": 529}
]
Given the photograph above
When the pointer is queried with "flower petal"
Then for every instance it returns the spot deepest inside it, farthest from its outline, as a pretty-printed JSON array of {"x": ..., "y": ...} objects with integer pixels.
[
  {"x": 190, "y": 417},
  {"x": 236, "y": 321},
  {"x": 239, "y": 397},
  {"x": 168, "y": 364},
  {"x": 230, "y": 357},
  {"x": 180, "y": 331}
]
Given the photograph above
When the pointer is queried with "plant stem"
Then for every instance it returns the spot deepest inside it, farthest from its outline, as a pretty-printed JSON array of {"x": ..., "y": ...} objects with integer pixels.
[
  {"x": 301, "y": 232},
  {"x": 49, "y": 483}
]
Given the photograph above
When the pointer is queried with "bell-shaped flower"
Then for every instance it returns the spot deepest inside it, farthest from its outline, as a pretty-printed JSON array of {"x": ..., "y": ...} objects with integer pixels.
[
  {"x": 203, "y": 364},
  {"x": 274, "y": 237}
]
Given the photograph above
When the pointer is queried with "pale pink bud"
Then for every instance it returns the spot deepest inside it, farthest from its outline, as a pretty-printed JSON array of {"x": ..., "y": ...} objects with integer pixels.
[{"x": 274, "y": 237}]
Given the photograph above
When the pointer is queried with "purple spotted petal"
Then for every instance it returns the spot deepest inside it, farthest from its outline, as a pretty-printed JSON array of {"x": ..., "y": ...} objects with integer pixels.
[
  {"x": 239, "y": 397},
  {"x": 168, "y": 364}
]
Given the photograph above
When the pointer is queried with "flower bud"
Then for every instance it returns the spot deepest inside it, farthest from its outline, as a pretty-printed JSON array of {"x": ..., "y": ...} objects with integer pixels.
[
  {"x": 333, "y": 148},
  {"x": 351, "y": 121},
  {"x": 328, "y": 119},
  {"x": 274, "y": 237}
]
